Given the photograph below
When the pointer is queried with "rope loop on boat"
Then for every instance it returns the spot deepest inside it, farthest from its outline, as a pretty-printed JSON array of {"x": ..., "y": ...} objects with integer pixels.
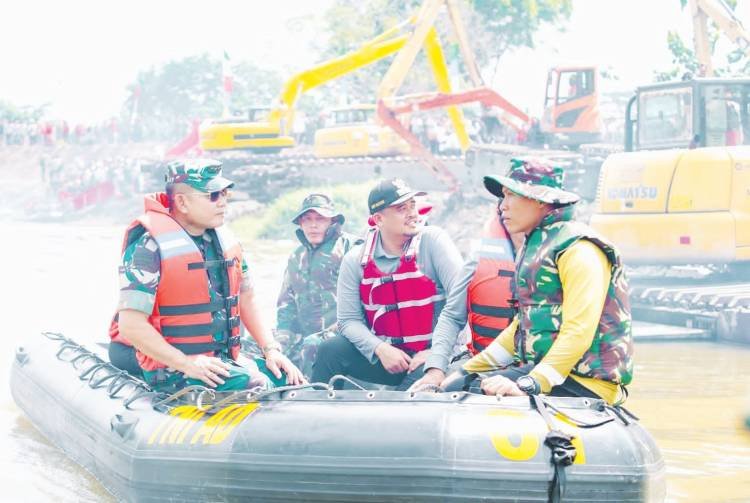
[
  {"x": 182, "y": 392},
  {"x": 562, "y": 451},
  {"x": 339, "y": 377}
]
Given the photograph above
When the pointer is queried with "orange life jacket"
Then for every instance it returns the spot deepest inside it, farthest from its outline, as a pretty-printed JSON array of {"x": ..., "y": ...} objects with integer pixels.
[
  {"x": 183, "y": 309},
  {"x": 489, "y": 293}
]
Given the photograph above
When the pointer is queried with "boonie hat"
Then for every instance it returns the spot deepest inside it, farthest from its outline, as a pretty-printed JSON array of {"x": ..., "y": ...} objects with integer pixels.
[
  {"x": 322, "y": 204},
  {"x": 534, "y": 178}
]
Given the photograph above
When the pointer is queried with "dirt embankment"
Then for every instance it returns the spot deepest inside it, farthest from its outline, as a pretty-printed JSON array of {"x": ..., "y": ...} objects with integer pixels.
[{"x": 32, "y": 178}]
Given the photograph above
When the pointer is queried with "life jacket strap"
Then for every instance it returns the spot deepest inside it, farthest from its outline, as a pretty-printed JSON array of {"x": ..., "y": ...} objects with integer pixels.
[
  {"x": 208, "y": 264},
  {"x": 381, "y": 309},
  {"x": 493, "y": 311},
  {"x": 405, "y": 340},
  {"x": 200, "y": 329},
  {"x": 208, "y": 307}
]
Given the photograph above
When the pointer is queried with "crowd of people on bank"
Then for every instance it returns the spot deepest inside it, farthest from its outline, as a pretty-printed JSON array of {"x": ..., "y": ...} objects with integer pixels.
[
  {"x": 80, "y": 183},
  {"x": 543, "y": 297}
]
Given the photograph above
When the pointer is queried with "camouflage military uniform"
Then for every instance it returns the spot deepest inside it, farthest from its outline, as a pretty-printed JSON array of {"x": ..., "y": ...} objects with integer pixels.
[
  {"x": 306, "y": 308},
  {"x": 139, "y": 279},
  {"x": 538, "y": 287},
  {"x": 140, "y": 274}
]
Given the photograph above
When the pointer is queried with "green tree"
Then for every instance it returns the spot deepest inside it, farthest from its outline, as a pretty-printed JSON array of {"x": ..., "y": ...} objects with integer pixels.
[
  {"x": 13, "y": 113},
  {"x": 165, "y": 100}
]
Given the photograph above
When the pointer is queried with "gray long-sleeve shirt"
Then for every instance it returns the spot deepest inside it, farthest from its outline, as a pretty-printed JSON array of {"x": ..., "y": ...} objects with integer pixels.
[{"x": 437, "y": 257}]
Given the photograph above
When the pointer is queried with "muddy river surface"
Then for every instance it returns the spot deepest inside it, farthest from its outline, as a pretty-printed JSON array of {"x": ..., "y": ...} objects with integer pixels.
[{"x": 63, "y": 277}]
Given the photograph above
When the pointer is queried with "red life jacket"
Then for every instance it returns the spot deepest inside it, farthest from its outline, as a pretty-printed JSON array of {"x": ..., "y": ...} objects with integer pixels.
[
  {"x": 399, "y": 306},
  {"x": 490, "y": 291},
  {"x": 183, "y": 309}
]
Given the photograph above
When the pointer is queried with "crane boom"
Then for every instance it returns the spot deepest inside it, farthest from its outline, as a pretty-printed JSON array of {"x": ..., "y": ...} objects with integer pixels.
[{"x": 727, "y": 22}]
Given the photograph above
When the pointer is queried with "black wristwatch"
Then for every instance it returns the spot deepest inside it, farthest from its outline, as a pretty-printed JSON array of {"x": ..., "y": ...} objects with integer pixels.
[{"x": 528, "y": 385}]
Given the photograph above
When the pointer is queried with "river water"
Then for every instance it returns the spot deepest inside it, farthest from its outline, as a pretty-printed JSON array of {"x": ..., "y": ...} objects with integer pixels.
[{"x": 63, "y": 277}]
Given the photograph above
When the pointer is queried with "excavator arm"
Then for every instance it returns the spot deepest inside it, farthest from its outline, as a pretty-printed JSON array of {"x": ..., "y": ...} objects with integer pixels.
[
  {"x": 720, "y": 13},
  {"x": 425, "y": 35},
  {"x": 487, "y": 97}
]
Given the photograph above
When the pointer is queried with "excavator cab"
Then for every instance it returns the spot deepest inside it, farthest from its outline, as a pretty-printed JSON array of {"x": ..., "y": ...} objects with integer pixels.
[
  {"x": 680, "y": 195},
  {"x": 689, "y": 114},
  {"x": 571, "y": 106},
  {"x": 352, "y": 131}
]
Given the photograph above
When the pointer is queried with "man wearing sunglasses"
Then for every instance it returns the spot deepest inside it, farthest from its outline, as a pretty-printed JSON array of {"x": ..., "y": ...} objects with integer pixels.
[
  {"x": 306, "y": 308},
  {"x": 185, "y": 289},
  {"x": 390, "y": 290}
]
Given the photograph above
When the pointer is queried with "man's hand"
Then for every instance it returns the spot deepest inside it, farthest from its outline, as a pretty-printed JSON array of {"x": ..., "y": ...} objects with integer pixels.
[
  {"x": 432, "y": 377},
  {"x": 500, "y": 386},
  {"x": 393, "y": 359},
  {"x": 453, "y": 381},
  {"x": 418, "y": 359},
  {"x": 276, "y": 362},
  {"x": 206, "y": 368}
]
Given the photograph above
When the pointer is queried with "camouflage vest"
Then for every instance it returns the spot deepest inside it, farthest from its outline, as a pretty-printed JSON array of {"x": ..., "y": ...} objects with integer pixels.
[
  {"x": 312, "y": 274},
  {"x": 539, "y": 293}
]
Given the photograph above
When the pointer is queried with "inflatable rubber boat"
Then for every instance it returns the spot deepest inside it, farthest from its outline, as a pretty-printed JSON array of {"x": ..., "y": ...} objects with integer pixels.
[{"x": 314, "y": 443}]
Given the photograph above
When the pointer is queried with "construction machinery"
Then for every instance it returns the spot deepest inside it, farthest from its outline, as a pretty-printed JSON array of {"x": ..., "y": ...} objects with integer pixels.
[
  {"x": 353, "y": 132},
  {"x": 571, "y": 107},
  {"x": 677, "y": 201},
  {"x": 274, "y": 132},
  {"x": 679, "y": 194}
]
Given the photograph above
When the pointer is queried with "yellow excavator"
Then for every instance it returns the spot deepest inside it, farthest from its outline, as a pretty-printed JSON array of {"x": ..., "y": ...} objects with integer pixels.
[
  {"x": 680, "y": 193},
  {"x": 274, "y": 132},
  {"x": 352, "y": 131}
]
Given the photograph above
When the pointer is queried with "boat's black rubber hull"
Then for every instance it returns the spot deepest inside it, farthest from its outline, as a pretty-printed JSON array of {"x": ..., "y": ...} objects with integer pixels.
[{"x": 385, "y": 446}]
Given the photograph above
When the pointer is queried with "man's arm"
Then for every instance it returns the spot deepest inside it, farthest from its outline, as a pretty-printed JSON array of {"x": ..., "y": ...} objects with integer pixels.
[
  {"x": 252, "y": 318},
  {"x": 585, "y": 275},
  {"x": 135, "y": 327},
  {"x": 452, "y": 320},
  {"x": 498, "y": 354},
  {"x": 446, "y": 260},
  {"x": 349, "y": 313}
]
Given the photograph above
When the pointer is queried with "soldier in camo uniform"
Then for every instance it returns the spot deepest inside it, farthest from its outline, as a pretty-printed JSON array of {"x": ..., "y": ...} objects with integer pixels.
[
  {"x": 185, "y": 289},
  {"x": 571, "y": 335},
  {"x": 306, "y": 308}
]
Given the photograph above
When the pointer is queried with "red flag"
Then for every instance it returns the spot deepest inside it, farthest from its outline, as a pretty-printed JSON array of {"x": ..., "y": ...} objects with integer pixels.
[{"x": 226, "y": 71}]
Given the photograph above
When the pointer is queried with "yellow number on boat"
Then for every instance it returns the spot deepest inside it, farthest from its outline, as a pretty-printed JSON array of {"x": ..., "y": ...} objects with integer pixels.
[
  {"x": 218, "y": 428},
  {"x": 526, "y": 448},
  {"x": 529, "y": 443},
  {"x": 182, "y": 419},
  {"x": 571, "y": 429},
  {"x": 174, "y": 427}
]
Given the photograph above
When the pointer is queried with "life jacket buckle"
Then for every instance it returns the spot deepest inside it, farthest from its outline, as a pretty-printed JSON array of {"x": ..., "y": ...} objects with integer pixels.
[
  {"x": 233, "y": 322},
  {"x": 391, "y": 307},
  {"x": 386, "y": 279},
  {"x": 230, "y": 302}
]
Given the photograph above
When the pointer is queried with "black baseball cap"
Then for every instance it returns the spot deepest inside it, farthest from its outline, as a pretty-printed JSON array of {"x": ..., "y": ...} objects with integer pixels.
[{"x": 390, "y": 193}]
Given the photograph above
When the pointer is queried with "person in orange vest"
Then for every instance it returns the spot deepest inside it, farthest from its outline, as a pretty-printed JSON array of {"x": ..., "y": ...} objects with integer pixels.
[
  {"x": 185, "y": 289},
  {"x": 482, "y": 299}
]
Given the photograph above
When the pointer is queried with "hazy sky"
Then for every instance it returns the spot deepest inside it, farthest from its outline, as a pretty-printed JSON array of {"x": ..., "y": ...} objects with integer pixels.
[{"x": 80, "y": 54}]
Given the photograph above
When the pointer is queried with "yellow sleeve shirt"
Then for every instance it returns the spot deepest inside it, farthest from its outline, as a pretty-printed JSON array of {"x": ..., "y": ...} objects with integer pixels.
[{"x": 585, "y": 274}]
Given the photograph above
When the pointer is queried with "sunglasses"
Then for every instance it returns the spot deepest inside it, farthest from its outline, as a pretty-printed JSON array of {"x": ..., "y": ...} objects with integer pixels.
[{"x": 212, "y": 196}]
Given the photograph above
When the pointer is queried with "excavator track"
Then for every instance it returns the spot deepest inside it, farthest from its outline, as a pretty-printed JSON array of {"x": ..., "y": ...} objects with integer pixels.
[{"x": 716, "y": 308}]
